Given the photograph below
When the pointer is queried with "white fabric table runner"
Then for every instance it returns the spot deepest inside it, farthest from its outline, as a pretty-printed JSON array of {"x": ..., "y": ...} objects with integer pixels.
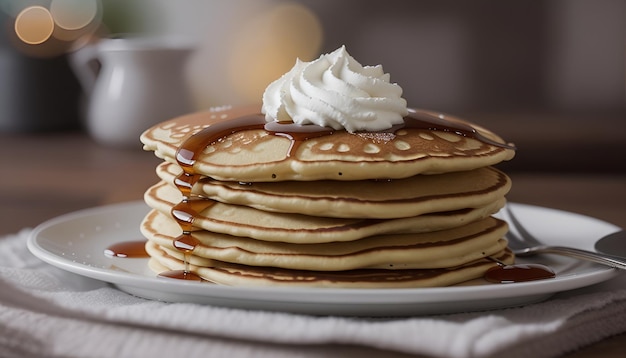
[{"x": 47, "y": 312}]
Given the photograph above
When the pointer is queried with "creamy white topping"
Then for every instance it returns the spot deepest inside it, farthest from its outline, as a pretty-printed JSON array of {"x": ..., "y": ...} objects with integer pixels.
[{"x": 338, "y": 92}]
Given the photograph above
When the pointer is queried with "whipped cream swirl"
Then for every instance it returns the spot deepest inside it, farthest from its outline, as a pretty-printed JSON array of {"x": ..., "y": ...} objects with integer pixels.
[{"x": 338, "y": 92}]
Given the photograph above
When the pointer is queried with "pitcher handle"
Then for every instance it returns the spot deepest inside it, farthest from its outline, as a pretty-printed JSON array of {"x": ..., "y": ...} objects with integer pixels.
[{"x": 86, "y": 66}]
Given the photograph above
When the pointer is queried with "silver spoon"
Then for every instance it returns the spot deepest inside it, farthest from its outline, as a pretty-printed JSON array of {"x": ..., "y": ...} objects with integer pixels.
[
  {"x": 613, "y": 244},
  {"x": 526, "y": 244}
]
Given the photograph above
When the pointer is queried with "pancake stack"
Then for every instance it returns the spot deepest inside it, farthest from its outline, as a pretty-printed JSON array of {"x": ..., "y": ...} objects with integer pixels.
[{"x": 245, "y": 202}]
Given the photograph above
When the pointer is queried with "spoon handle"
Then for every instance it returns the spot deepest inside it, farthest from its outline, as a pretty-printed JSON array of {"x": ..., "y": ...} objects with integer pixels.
[{"x": 612, "y": 261}]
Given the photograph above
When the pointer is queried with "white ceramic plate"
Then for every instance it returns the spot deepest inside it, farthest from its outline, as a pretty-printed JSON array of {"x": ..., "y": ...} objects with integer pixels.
[{"x": 75, "y": 242}]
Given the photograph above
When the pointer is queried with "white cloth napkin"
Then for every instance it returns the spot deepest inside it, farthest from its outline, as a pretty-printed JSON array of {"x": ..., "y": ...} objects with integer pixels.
[{"x": 46, "y": 312}]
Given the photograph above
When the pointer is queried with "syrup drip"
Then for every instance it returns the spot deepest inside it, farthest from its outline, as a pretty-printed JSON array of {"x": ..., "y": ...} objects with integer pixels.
[
  {"x": 186, "y": 242},
  {"x": 189, "y": 208},
  {"x": 185, "y": 213}
]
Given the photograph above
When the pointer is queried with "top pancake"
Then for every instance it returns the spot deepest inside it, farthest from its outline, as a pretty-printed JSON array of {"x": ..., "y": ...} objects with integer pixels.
[{"x": 260, "y": 155}]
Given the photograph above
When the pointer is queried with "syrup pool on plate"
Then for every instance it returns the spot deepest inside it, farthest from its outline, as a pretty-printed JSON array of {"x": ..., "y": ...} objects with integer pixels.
[
  {"x": 518, "y": 273},
  {"x": 129, "y": 249}
]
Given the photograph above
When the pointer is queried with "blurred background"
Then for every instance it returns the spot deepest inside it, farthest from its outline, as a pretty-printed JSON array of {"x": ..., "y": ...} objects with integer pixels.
[
  {"x": 472, "y": 55},
  {"x": 548, "y": 75},
  {"x": 526, "y": 57}
]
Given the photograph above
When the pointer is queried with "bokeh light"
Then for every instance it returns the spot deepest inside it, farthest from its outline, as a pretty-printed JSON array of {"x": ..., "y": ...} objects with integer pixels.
[
  {"x": 265, "y": 47},
  {"x": 46, "y": 31},
  {"x": 73, "y": 14},
  {"x": 34, "y": 25}
]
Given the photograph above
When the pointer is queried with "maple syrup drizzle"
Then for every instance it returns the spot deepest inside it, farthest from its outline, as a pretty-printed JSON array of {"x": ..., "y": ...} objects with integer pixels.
[
  {"x": 185, "y": 213},
  {"x": 425, "y": 120},
  {"x": 296, "y": 133},
  {"x": 189, "y": 208}
]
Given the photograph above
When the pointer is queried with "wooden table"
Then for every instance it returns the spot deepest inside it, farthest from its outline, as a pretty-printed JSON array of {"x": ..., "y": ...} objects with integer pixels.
[{"x": 46, "y": 175}]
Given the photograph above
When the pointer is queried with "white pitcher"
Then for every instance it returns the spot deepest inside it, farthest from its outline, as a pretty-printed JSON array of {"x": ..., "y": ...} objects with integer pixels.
[{"x": 139, "y": 82}]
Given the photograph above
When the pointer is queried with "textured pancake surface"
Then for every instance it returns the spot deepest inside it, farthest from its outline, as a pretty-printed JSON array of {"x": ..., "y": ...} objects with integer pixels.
[{"x": 254, "y": 155}]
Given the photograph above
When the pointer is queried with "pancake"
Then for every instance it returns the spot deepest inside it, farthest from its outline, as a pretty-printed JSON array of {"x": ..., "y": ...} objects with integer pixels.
[
  {"x": 417, "y": 195},
  {"x": 241, "y": 148},
  {"x": 440, "y": 249},
  {"x": 242, "y": 275},
  {"x": 238, "y": 220},
  {"x": 332, "y": 182}
]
